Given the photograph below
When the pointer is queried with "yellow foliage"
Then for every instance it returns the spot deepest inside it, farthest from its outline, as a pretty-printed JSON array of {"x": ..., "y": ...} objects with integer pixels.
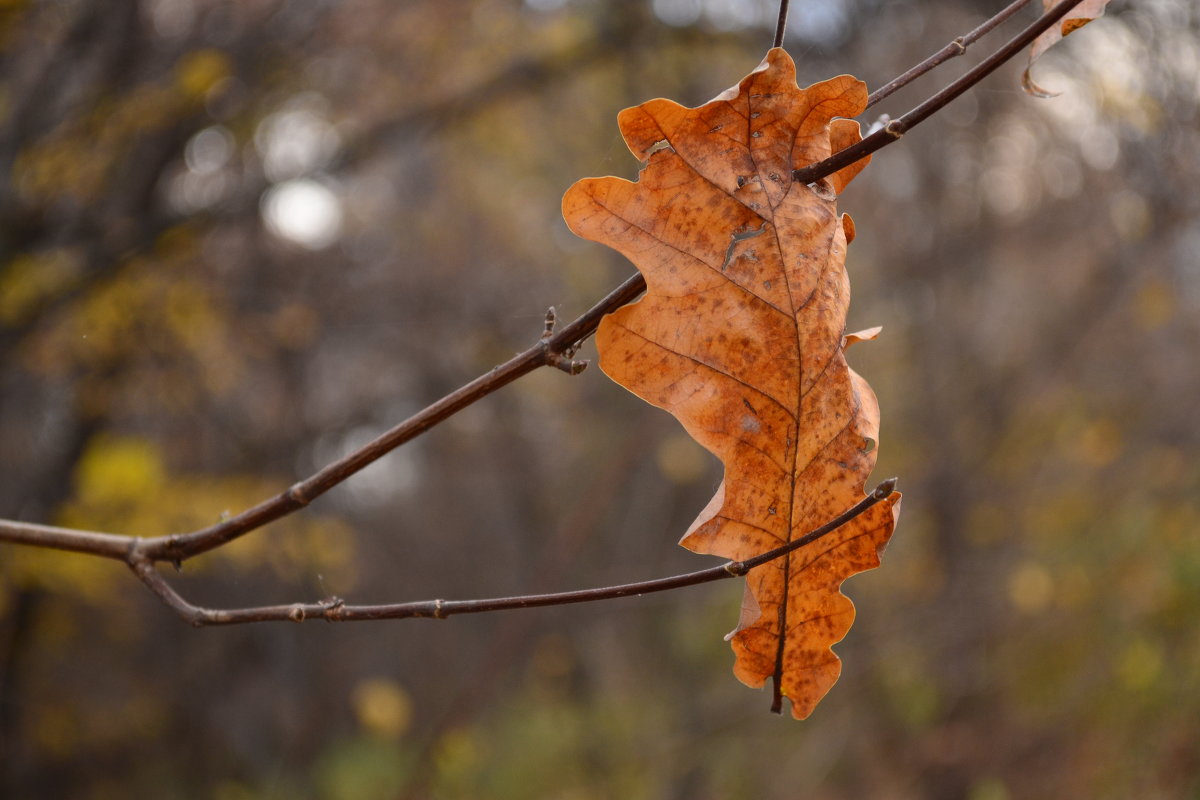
[
  {"x": 1100, "y": 444},
  {"x": 118, "y": 469},
  {"x": 1075, "y": 589},
  {"x": 177, "y": 241},
  {"x": 76, "y": 158},
  {"x": 989, "y": 789},
  {"x": 63, "y": 729},
  {"x": 93, "y": 580},
  {"x": 145, "y": 108},
  {"x": 229, "y": 789},
  {"x": 32, "y": 278},
  {"x": 1140, "y": 665},
  {"x": 11, "y": 9},
  {"x": 98, "y": 327},
  {"x": 200, "y": 70},
  {"x": 1154, "y": 305},
  {"x": 987, "y": 524},
  {"x": 1055, "y": 520},
  {"x": 57, "y": 167},
  {"x": 56, "y": 730},
  {"x": 145, "y": 307},
  {"x": 383, "y": 708},
  {"x": 123, "y": 485},
  {"x": 1031, "y": 587},
  {"x": 325, "y": 546},
  {"x": 457, "y": 753}
]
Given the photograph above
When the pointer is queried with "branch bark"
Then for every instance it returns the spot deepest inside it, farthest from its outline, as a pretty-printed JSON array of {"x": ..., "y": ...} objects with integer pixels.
[
  {"x": 953, "y": 49},
  {"x": 334, "y": 609}
]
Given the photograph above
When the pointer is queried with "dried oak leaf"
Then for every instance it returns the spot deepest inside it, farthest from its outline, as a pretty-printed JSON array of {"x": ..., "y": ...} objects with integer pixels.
[
  {"x": 740, "y": 336},
  {"x": 1076, "y": 18}
]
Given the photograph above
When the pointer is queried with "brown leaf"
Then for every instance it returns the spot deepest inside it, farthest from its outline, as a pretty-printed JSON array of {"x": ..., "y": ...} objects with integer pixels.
[
  {"x": 1076, "y": 18},
  {"x": 739, "y": 336}
]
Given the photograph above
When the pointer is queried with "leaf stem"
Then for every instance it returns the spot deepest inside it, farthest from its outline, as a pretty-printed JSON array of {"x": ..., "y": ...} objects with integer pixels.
[{"x": 781, "y": 25}]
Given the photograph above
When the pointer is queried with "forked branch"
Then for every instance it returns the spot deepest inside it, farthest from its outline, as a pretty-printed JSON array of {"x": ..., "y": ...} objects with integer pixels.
[{"x": 334, "y": 609}]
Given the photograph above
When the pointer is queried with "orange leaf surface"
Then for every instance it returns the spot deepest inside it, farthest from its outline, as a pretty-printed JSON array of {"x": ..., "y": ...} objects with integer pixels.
[
  {"x": 1076, "y": 18},
  {"x": 740, "y": 336}
]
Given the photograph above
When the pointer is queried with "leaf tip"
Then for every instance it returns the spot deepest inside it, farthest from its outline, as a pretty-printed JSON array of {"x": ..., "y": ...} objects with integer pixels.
[{"x": 1032, "y": 89}]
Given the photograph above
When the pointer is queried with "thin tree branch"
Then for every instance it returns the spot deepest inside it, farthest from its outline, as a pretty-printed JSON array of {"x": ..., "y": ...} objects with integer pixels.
[
  {"x": 898, "y": 127},
  {"x": 108, "y": 545},
  {"x": 953, "y": 49},
  {"x": 555, "y": 349},
  {"x": 781, "y": 25},
  {"x": 336, "y": 610},
  {"x": 174, "y": 548}
]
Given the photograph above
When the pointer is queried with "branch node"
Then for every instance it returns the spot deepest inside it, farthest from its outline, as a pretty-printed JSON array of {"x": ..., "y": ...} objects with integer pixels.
[
  {"x": 960, "y": 45},
  {"x": 558, "y": 356},
  {"x": 736, "y": 568},
  {"x": 439, "y": 611},
  {"x": 174, "y": 544},
  {"x": 297, "y": 495},
  {"x": 333, "y": 608},
  {"x": 133, "y": 553},
  {"x": 296, "y": 613},
  {"x": 895, "y": 128},
  {"x": 565, "y": 363}
]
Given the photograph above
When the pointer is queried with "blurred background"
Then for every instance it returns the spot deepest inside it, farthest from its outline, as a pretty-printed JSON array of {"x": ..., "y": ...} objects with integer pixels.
[{"x": 239, "y": 240}]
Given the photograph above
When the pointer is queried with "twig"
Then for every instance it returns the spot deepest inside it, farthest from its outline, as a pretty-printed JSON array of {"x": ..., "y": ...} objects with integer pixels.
[
  {"x": 553, "y": 349},
  {"x": 953, "y": 49},
  {"x": 108, "y": 545},
  {"x": 781, "y": 25},
  {"x": 898, "y": 127},
  {"x": 334, "y": 609}
]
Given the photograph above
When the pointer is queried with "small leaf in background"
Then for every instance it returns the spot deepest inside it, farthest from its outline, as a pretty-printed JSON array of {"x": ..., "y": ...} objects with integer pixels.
[{"x": 1081, "y": 15}]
